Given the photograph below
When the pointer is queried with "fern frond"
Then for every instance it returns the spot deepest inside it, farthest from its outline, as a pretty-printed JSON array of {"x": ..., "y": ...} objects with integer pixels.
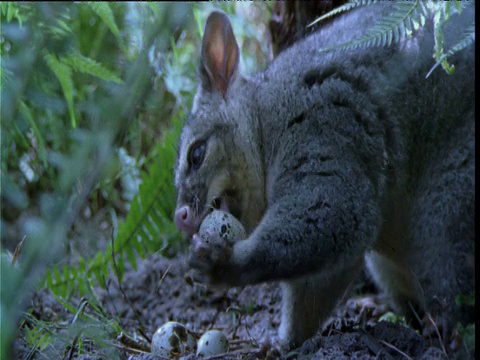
[
  {"x": 61, "y": 29},
  {"x": 71, "y": 278},
  {"x": 83, "y": 64},
  {"x": 63, "y": 73},
  {"x": 441, "y": 16},
  {"x": 104, "y": 11},
  {"x": 39, "y": 337},
  {"x": 6, "y": 75},
  {"x": 402, "y": 22},
  {"x": 55, "y": 282},
  {"x": 15, "y": 10},
  {"x": 149, "y": 226},
  {"x": 59, "y": 26},
  {"x": 63, "y": 282},
  {"x": 445, "y": 9},
  {"x": 343, "y": 8},
  {"x": 27, "y": 114},
  {"x": 443, "y": 12},
  {"x": 467, "y": 39},
  {"x": 395, "y": 27},
  {"x": 54, "y": 337}
]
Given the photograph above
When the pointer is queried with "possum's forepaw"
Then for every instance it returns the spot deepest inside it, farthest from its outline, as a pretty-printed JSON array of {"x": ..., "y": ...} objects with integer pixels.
[{"x": 208, "y": 254}]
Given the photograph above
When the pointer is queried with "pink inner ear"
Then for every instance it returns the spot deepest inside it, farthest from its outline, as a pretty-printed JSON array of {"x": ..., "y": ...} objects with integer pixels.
[{"x": 220, "y": 53}]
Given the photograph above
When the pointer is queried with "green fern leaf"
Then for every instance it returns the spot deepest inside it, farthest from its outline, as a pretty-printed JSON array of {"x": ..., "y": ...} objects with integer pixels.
[
  {"x": 132, "y": 259},
  {"x": 60, "y": 29},
  {"x": 81, "y": 278},
  {"x": 392, "y": 28},
  {"x": 83, "y": 64},
  {"x": 443, "y": 12},
  {"x": 49, "y": 280},
  {"x": 59, "y": 284},
  {"x": 395, "y": 25},
  {"x": 120, "y": 264},
  {"x": 343, "y": 8},
  {"x": 16, "y": 10},
  {"x": 55, "y": 282},
  {"x": 458, "y": 5},
  {"x": 70, "y": 279},
  {"x": 39, "y": 337},
  {"x": 4, "y": 7},
  {"x": 439, "y": 19},
  {"x": 104, "y": 11},
  {"x": 75, "y": 276},
  {"x": 6, "y": 75},
  {"x": 402, "y": 22},
  {"x": 27, "y": 114},
  {"x": 64, "y": 75},
  {"x": 96, "y": 268},
  {"x": 149, "y": 220},
  {"x": 45, "y": 340},
  {"x": 137, "y": 241},
  {"x": 11, "y": 11},
  {"x": 147, "y": 228},
  {"x": 467, "y": 39}
]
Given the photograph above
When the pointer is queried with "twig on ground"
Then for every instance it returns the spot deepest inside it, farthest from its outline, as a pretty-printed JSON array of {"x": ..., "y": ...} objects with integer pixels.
[
  {"x": 438, "y": 333},
  {"x": 395, "y": 348},
  {"x": 132, "y": 343},
  {"x": 141, "y": 328}
]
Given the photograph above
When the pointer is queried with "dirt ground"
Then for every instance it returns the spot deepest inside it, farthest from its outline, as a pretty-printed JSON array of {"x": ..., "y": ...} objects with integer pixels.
[{"x": 161, "y": 290}]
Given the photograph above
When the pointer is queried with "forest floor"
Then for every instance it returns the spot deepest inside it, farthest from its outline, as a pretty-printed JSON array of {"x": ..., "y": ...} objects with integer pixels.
[{"x": 161, "y": 290}]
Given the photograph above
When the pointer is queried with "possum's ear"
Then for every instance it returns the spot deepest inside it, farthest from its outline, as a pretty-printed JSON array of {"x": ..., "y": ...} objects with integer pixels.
[{"x": 220, "y": 54}]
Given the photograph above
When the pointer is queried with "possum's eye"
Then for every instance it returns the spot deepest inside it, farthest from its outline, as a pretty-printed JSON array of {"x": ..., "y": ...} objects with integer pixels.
[{"x": 196, "y": 155}]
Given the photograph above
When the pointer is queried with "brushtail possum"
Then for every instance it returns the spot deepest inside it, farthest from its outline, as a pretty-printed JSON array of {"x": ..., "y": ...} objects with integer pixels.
[{"x": 334, "y": 161}]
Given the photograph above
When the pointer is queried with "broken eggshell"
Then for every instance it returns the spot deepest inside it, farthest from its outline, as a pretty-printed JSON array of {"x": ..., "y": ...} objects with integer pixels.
[
  {"x": 173, "y": 339},
  {"x": 224, "y": 224}
]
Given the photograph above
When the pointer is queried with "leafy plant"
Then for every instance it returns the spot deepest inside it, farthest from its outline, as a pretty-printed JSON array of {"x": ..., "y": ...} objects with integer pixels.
[
  {"x": 407, "y": 18},
  {"x": 393, "y": 317},
  {"x": 53, "y": 77},
  {"x": 147, "y": 228},
  {"x": 441, "y": 57},
  {"x": 467, "y": 332},
  {"x": 87, "y": 92}
]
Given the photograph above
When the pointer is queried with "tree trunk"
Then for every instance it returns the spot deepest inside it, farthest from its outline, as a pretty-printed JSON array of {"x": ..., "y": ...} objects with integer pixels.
[{"x": 290, "y": 19}]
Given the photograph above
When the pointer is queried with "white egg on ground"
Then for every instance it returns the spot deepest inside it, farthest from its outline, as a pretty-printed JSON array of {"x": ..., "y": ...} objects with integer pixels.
[
  {"x": 173, "y": 339},
  {"x": 224, "y": 224},
  {"x": 213, "y": 342}
]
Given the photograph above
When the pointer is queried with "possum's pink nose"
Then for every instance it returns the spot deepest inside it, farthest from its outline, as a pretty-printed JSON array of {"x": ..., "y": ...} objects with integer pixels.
[{"x": 186, "y": 221}]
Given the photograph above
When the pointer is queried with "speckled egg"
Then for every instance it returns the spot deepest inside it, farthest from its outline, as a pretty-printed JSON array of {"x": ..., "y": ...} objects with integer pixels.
[
  {"x": 213, "y": 342},
  {"x": 223, "y": 224},
  {"x": 173, "y": 339}
]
